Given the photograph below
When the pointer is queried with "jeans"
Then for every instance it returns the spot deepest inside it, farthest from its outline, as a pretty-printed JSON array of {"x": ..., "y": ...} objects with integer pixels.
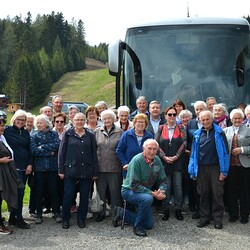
[
  {"x": 143, "y": 218},
  {"x": 17, "y": 215},
  {"x": 69, "y": 190},
  {"x": 176, "y": 177}
]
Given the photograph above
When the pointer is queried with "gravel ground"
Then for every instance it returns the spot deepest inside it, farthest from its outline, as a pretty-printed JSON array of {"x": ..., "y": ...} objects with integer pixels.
[{"x": 171, "y": 234}]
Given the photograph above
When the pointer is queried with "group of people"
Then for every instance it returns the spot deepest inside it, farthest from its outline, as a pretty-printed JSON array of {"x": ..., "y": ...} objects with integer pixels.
[{"x": 134, "y": 158}]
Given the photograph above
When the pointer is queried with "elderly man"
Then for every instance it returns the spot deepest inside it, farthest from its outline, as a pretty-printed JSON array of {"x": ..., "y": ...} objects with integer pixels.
[
  {"x": 155, "y": 118},
  {"x": 57, "y": 104},
  {"x": 141, "y": 104},
  {"x": 209, "y": 164},
  {"x": 145, "y": 170},
  {"x": 210, "y": 101},
  {"x": 46, "y": 110}
]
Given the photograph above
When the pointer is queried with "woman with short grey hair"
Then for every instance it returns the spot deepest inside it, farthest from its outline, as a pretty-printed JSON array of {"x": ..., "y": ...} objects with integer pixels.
[
  {"x": 185, "y": 116},
  {"x": 123, "y": 118},
  {"x": 44, "y": 147},
  {"x": 110, "y": 169},
  {"x": 221, "y": 115}
]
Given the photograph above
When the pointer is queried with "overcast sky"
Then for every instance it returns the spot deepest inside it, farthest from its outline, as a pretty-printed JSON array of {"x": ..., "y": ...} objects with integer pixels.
[{"x": 107, "y": 20}]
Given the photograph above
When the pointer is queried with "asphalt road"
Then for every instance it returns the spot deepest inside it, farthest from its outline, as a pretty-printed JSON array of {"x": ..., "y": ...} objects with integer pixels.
[{"x": 171, "y": 234}]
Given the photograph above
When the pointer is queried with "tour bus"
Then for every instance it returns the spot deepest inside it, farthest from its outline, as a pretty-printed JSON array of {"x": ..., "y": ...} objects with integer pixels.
[{"x": 188, "y": 59}]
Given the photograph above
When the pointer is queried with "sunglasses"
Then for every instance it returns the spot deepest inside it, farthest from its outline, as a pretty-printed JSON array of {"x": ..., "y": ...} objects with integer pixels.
[
  {"x": 172, "y": 114},
  {"x": 59, "y": 121}
]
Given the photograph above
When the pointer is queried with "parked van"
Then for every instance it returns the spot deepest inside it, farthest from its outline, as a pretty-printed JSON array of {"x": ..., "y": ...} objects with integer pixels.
[{"x": 81, "y": 105}]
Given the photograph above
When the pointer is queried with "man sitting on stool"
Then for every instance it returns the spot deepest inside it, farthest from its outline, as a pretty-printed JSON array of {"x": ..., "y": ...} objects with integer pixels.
[{"x": 144, "y": 171}]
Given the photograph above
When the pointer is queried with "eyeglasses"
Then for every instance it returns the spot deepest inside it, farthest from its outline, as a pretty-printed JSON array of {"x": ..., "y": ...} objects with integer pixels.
[
  {"x": 172, "y": 114},
  {"x": 59, "y": 121},
  {"x": 21, "y": 120}
]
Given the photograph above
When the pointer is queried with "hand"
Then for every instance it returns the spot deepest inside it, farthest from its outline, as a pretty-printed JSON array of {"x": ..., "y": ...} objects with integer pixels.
[
  {"x": 61, "y": 176},
  {"x": 168, "y": 160},
  {"x": 28, "y": 170},
  {"x": 125, "y": 167},
  {"x": 5, "y": 160},
  {"x": 236, "y": 151},
  {"x": 94, "y": 178},
  {"x": 159, "y": 194},
  {"x": 222, "y": 177}
]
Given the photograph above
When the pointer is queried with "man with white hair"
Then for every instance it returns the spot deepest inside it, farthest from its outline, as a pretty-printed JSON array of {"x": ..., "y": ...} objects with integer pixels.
[
  {"x": 145, "y": 170},
  {"x": 141, "y": 104}
]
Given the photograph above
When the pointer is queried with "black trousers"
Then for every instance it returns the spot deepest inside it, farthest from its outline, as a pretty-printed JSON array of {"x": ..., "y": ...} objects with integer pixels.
[
  {"x": 238, "y": 181},
  {"x": 210, "y": 190}
]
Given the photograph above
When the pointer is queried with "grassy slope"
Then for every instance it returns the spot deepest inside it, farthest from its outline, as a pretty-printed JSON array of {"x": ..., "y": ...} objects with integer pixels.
[{"x": 89, "y": 86}]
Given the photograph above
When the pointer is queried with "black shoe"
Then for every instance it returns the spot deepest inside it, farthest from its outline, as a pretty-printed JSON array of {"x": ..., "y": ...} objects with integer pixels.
[
  {"x": 65, "y": 224},
  {"x": 218, "y": 225},
  {"x": 117, "y": 216},
  {"x": 192, "y": 208},
  {"x": 139, "y": 232},
  {"x": 196, "y": 216},
  {"x": 233, "y": 219},
  {"x": 81, "y": 223},
  {"x": 100, "y": 218},
  {"x": 22, "y": 225},
  {"x": 165, "y": 215},
  {"x": 244, "y": 220},
  {"x": 203, "y": 223},
  {"x": 178, "y": 215},
  {"x": 12, "y": 222}
]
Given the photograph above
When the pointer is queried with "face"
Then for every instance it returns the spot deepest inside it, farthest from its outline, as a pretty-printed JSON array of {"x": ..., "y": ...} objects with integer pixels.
[
  {"x": 41, "y": 124},
  {"x": 72, "y": 113},
  {"x": 184, "y": 120},
  {"x": 123, "y": 116},
  {"x": 248, "y": 115},
  {"x": 179, "y": 108},
  {"x": 140, "y": 125},
  {"x": 30, "y": 123},
  {"x": 218, "y": 112},
  {"x": 206, "y": 120},
  {"x": 198, "y": 109},
  {"x": 101, "y": 108},
  {"x": 79, "y": 121},
  {"x": 210, "y": 104},
  {"x": 170, "y": 116},
  {"x": 155, "y": 110},
  {"x": 59, "y": 122},
  {"x": 57, "y": 104},
  {"x": 2, "y": 126},
  {"x": 107, "y": 120},
  {"x": 237, "y": 120},
  {"x": 92, "y": 116},
  {"x": 48, "y": 112},
  {"x": 141, "y": 105},
  {"x": 150, "y": 150},
  {"x": 20, "y": 121}
]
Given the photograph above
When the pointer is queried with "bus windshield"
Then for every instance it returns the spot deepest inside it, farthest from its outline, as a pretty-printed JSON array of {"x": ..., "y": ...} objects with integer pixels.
[{"x": 190, "y": 63}]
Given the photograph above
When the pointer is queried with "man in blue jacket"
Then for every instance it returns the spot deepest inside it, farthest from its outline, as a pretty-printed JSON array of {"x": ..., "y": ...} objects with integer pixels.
[{"x": 209, "y": 164}]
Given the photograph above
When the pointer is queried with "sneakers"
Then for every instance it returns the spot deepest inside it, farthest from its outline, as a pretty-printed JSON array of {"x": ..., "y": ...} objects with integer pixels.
[
  {"x": 58, "y": 218},
  {"x": 4, "y": 230}
]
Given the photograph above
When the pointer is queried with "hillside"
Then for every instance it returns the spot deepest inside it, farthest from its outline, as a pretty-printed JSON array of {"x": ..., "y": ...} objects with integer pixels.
[{"x": 91, "y": 85}]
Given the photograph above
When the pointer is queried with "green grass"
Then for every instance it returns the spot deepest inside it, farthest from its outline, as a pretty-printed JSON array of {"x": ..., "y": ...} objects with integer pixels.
[{"x": 89, "y": 86}]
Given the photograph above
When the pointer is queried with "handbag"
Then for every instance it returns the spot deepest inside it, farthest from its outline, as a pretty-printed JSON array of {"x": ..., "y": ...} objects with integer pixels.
[{"x": 95, "y": 203}]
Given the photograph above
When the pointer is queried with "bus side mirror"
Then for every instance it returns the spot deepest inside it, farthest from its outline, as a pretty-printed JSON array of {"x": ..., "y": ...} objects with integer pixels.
[{"x": 114, "y": 58}]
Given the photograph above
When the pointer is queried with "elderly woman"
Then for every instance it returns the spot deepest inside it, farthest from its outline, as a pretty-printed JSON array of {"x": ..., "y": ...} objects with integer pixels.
[
  {"x": 59, "y": 121},
  {"x": 247, "y": 114},
  {"x": 185, "y": 116},
  {"x": 92, "y": 115},
  {"x": 239, "y": 171},
  {"x": 101, "y": 106},
  {"x": 72, "y": 111},
  {"x": 132, "y": 140},
  {"x": 30, "y": 123},
  {"x": 110, "y": 169},
  {"x": 221, "y": 115},
  {"x": 44, "y": 148},
  {"x": 77, "y": 162},
  {"x": 9, "y": 178},
  {"x": 123, "y": 122},
  {"x": 47, "y": 110},
  {"x": 19, "y": 140},
  {"x": 172, "y": 141}
]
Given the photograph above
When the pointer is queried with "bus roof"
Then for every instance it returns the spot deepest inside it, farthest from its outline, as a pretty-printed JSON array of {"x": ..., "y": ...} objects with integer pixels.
[{"x": 196, "y": 20}]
